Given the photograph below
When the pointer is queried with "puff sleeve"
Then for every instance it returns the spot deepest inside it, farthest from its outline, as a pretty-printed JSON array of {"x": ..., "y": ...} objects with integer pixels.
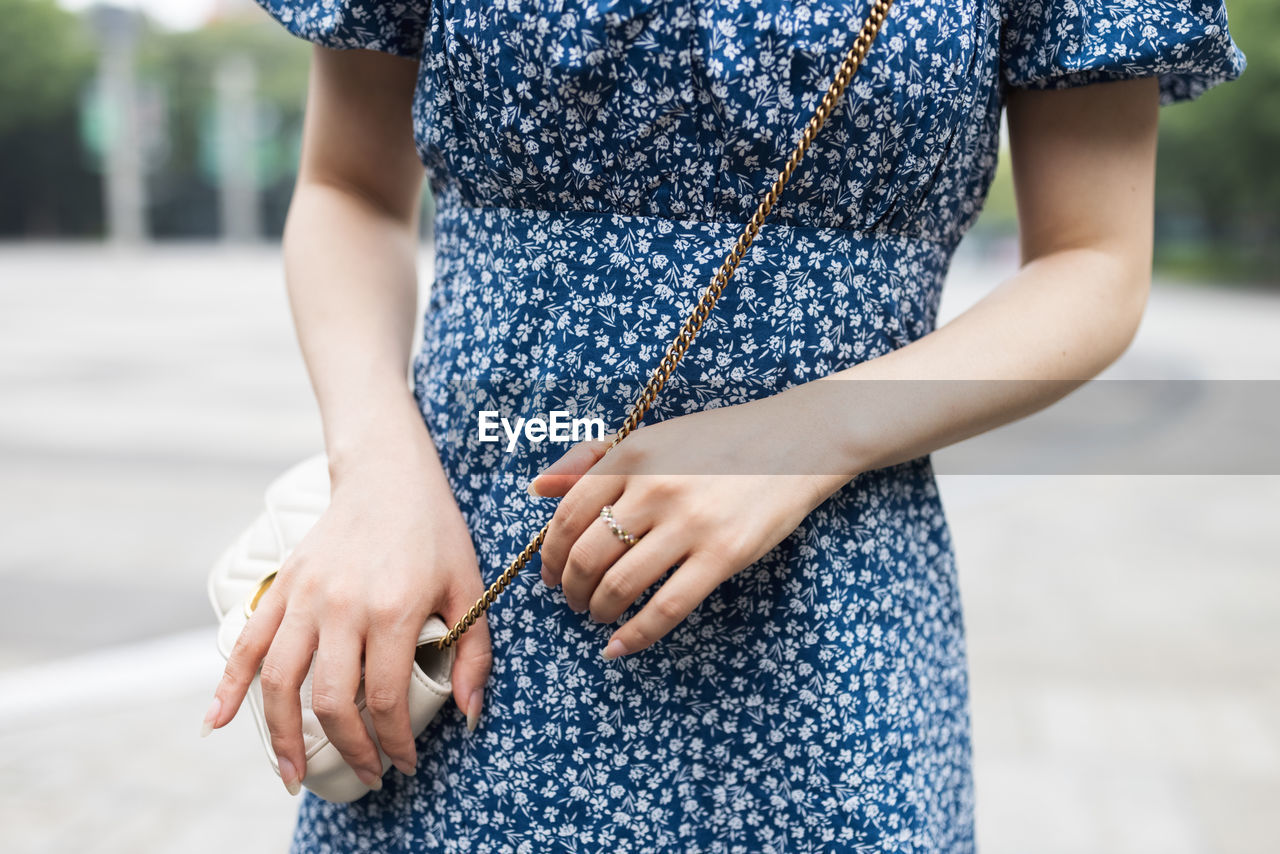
[
  {"x": 396, "y": 28},
  {"x": 1053, "y": 44}
]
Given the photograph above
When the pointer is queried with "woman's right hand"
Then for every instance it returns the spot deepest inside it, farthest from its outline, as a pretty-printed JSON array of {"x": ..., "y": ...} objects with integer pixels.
[{"x": 391, "y": 549}]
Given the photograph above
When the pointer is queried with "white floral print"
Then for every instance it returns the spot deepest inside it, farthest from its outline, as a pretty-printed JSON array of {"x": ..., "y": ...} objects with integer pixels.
[{"x": 592, "y": 163}]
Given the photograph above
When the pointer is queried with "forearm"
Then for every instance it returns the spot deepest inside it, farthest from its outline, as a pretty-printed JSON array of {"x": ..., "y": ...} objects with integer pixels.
[
  {"x": 1055, "y": 324},
  {"x": 351, "y": 272}
]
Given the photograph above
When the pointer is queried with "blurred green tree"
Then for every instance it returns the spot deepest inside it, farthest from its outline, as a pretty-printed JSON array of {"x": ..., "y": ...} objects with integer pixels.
[
  {"x": 47, "y": 60},
  {"x": 1218, "y": 194},
  {"x": 184, "y": 187}
]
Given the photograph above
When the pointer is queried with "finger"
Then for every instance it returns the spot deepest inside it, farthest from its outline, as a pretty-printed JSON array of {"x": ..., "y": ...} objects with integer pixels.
[
  {"x": 245, "y": 658},
  {"x": 388, "y": 667},
  {"x": 636, "y": 571},
  {"x": 471, "y": 668},
  {"x": 598, "y": 547},
  {"x": 691, "y": 583},
  {"x": 577, "y": 510},
  {"x": 473, "y": 656},
  {"x": 283, "y": 670},
  {"x": 334, "y": 684},
  {"x": 559, "y": 477}
]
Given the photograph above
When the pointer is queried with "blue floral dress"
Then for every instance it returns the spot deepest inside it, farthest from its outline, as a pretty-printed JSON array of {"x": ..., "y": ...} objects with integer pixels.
[{"x": 592, "y": 162}]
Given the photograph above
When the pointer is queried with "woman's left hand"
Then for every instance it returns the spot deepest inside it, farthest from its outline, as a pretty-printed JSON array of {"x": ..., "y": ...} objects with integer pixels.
[{"x": 712, "y": 492}]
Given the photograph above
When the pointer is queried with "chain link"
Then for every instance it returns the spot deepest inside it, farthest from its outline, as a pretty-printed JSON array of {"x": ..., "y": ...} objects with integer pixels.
[{"x": 680, "y": 344}]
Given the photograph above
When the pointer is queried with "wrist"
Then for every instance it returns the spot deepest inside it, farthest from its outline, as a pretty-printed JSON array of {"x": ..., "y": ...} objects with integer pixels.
[
  {"x": 831, "y": 443},
  {"x": 386, "y": 430}
]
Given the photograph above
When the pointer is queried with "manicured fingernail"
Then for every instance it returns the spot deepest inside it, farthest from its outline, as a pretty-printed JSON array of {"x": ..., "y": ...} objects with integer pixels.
[
  {"x": 210, "y": 717},
  {"x": 473, "y": 708},
  {"x": 614, "y": 649},
  {"x": 407, "y": 765},
  {"x": 289, "y": 775},
  {"x": 533, "y": 491},
  {"x": 370, "y": 779}
]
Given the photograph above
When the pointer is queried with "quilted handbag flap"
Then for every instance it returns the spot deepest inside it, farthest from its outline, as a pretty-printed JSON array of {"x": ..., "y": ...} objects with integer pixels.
[{"x": 294, "y": 501}]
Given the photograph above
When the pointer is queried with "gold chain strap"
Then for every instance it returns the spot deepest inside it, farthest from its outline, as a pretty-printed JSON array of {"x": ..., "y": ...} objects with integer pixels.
[{"x": 676, "y": 350}]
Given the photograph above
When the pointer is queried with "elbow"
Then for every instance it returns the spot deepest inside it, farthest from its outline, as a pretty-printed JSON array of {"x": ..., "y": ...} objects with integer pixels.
[
  {"x": 1131, "y": 289},
  {"x": 1110, "y": 282}
]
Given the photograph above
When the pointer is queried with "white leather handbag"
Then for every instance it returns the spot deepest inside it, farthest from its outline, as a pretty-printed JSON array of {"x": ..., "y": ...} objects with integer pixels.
[
  {"x": 294, "y": 501},
  {"x": 297, "y": 498}
]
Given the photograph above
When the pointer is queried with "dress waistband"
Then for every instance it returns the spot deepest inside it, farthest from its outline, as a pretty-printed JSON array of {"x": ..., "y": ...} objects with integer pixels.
[{"x": 823, "y": 272}]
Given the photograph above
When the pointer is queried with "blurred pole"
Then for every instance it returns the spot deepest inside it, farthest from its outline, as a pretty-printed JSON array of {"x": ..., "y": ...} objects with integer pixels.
[
  {"x": 125, "y": 188},
  {"x": 235, "y": 84}
]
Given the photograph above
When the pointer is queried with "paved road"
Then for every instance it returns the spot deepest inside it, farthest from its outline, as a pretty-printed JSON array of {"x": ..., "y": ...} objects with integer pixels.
[{"x": 1122, "y": 629}]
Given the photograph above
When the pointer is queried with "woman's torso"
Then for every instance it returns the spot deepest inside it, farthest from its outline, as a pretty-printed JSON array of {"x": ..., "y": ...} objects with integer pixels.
[
  {"x": 590, "y": 172},
  {"x": 687, "y": 109},
  {"x": 593, "y": 162}
]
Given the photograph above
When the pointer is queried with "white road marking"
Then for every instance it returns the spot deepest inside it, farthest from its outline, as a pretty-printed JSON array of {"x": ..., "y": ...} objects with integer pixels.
[{"x": 147, "y": 671}]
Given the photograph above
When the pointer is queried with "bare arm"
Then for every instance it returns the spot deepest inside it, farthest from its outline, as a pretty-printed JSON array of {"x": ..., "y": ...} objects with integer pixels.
[
  {"x": 392, "y": 548},
  {"x": 1084, "y": 174},
  {"x": 1084, "y": 166},
  {"x": 350, "y": 247}
]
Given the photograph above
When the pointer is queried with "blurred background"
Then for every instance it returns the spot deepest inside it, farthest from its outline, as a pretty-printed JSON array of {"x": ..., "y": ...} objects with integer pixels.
[{"x": 1124, "y": 630}]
